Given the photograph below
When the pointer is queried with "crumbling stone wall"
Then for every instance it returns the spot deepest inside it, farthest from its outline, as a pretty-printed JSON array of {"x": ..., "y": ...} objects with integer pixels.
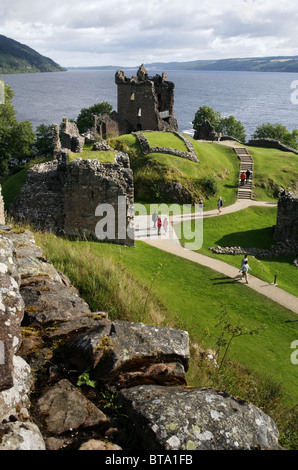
[
  {"x": 2, "y": 212},
  {"x": 146, "y": 102},
  {"x": 62, "y": 197},
  {"x": 189, "y": 155},
  {"x": 71, "y": 138},
  {"x": 287, "y": 218}
]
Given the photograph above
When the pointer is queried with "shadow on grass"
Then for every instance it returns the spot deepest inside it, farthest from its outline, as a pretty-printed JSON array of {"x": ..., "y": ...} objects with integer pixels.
[
  {"x": 259, "y": 238},
  {"x": 226, "y": 280}
]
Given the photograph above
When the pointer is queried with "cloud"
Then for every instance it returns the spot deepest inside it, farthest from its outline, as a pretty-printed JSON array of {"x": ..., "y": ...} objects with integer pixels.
[{"x": 127, "y": 32}]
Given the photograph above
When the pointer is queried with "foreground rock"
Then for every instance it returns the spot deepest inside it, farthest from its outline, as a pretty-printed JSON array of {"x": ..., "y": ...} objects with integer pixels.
[
  {"x": 177, "y": 418},
  {"x": 64, "y": 408},
  {"x": 125, "y": 353}
]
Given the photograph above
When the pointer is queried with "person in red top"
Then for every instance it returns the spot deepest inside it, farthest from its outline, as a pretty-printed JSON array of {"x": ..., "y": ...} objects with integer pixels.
[
  {"x": 243, "y": 178},
  {"x": 158, "y": 225}
]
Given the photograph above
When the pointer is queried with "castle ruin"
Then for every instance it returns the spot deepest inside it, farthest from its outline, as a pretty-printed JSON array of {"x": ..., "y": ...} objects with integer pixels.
[
  {"x": 144, "y": 103},
  {"x": 286, "y": 227}
]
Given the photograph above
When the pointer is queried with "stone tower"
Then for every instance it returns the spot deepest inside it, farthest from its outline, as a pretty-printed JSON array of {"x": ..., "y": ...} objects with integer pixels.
[{"x": 146, "y": 103}]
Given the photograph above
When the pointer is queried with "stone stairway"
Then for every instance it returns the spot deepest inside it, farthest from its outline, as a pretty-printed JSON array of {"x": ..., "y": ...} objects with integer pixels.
[{"x": 246, "y": 163}]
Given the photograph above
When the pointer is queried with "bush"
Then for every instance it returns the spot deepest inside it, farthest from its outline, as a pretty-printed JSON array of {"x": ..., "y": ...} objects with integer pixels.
[{"x": 210, "y": 185}]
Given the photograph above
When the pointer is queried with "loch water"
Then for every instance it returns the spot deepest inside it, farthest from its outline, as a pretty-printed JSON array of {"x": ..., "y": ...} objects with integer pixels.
[{"x": 253, "y": 98}]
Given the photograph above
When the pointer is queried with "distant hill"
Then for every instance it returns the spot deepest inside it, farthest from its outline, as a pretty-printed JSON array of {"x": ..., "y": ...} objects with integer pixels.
[
  {"x": 255, "y": 64},
  {"x": 19, "y": 58}
]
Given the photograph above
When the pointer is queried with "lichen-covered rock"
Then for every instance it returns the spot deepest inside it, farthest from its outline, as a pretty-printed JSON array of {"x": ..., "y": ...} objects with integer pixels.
[
  {"x": 118, "y": 349},
  {"x": 47, "y": 301},
  {"x": 64, "y": 408},
  {"x": 177, "y": 418},
  {"x": 20, "y": 436},
  {"x": 15, "y": 400}
]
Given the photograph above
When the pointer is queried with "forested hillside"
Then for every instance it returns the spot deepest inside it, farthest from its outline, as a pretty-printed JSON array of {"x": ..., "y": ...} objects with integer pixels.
[{"x": 19, "y": 58}]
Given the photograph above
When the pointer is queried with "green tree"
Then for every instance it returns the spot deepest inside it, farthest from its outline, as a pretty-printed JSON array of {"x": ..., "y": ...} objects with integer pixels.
[
  {"x": 43, "y": 145},
  {"x": 16, "y": 138},
  {"x": 277, "y": 132},
  {"x": 206, "y": 113},
  {"x": 230, "y": 126},
  {"x": 224, "y": 125},
  {"x": 85, "y": 118}
]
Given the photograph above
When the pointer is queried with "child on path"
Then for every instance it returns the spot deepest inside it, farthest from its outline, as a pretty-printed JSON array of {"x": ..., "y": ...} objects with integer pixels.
[{"x": 245, "y": 269}]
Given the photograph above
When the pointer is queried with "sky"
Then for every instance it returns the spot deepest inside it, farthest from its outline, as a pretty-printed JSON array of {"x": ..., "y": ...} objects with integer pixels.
[{"x": 130, "y": 32}]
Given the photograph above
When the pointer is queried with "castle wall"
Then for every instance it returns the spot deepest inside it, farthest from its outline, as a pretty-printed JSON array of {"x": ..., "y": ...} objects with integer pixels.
[
  {"x": 287, "y": 218},
  {"x": 63, "y": 197}
]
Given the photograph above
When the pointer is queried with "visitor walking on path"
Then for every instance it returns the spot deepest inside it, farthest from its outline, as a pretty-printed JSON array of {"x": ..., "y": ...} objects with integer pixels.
[
  {"x": 219, "y": 205},
  {"x": 154, "y": 218},
  {"x": 247, "y": 174},
  {"x": 243, "y": 178},
  {"x": 165, "y": 224},
  {"x": 245, "y": 269},
  {"x": 158, "y": 225}
]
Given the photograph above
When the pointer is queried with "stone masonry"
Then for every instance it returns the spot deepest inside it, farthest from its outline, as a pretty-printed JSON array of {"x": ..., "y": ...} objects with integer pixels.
[
  {"x": 146, "y": 102},
  {"x": 63, "y": 197},
  {"x": 287, "y": 218}
]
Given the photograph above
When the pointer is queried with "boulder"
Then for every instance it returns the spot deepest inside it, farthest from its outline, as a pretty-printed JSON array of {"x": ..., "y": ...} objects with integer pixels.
[
  {"x": 205, "y": 131},
  {"x": 47, "y": 301},
  {"x": 125, "y": 352},
  {"x": 64, "y": 408},
  {"x": 15, "y": 400},
  {"x": 20, "y": 436},
  {"x": 178, "y": 418}
]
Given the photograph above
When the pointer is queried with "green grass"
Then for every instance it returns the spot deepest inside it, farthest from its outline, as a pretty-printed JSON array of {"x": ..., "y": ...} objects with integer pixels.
[
  {"x": 103, "y": 156},
  {"x": 273, "y": 169},
  {"x": 153, "y": 171},
  {"x": 169, "y": 140},
  {"x": 250, "y": 228}
]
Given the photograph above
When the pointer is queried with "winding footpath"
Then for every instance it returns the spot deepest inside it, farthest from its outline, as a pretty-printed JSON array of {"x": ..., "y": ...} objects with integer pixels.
[{"x": 170, "y": 243}]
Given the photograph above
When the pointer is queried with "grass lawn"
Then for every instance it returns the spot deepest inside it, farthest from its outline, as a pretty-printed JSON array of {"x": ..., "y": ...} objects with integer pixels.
[
  {"x": 169, "y": 140},
  {"x": 273, "y": 169},
  {"x": 103, "y": 156},
  {"x": 192, "y": 296},
  {"x": 250, "y": 228}
]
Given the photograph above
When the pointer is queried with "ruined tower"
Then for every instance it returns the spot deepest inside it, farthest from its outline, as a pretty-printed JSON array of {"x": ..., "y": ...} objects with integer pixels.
[{"x": 146, "y": 103}]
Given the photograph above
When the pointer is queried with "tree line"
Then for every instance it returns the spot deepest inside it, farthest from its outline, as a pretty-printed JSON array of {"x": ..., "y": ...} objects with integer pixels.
[
  {"x": 19, "y": 143},
  {"x": 231, "y": 127}
]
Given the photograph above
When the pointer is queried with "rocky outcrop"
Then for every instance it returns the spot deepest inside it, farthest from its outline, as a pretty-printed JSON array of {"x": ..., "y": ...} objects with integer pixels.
[
  {"x": 205, "y": 131},
  {"x": 64, "y": 370}
]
